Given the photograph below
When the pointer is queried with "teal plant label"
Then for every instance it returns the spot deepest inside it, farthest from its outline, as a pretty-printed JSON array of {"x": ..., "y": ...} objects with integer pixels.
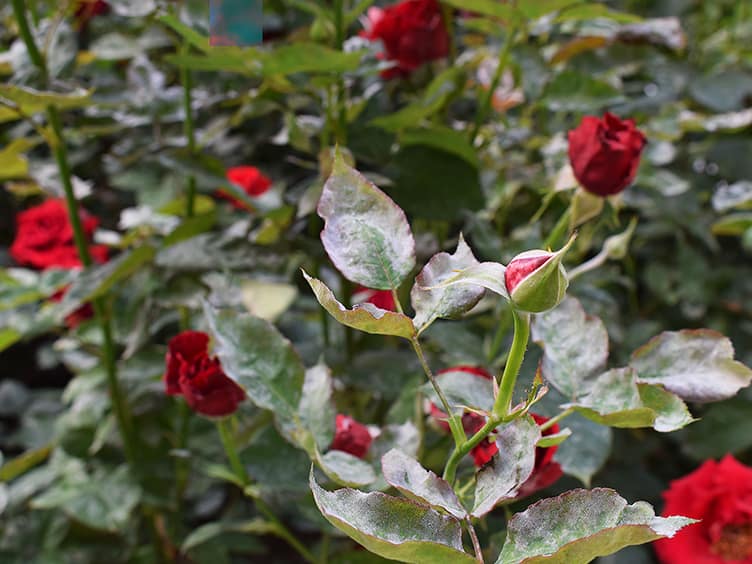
[{"x": 235, "y": 22}]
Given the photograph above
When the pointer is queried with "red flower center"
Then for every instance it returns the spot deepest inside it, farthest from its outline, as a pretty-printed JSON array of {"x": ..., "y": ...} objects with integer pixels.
[{"x": 735, "y": 542}]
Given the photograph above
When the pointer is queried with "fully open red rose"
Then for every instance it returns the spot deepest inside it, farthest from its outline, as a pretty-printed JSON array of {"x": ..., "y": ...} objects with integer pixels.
[
  {"x": 382, "y": 299},
  {"x": 44, "y": 237},
  {"x": 413, "y": 33},
  {"x": 199, "y": 378},
  {"x": 605, "y": 153},
  {"x": 720, "y": 495},
  {"x": 351, "y": 436},
  {"x": 250, "y": 180}
]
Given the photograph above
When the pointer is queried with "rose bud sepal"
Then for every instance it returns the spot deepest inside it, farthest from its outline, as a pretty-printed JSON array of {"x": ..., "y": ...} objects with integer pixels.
[{"x": 536, "y": 280}]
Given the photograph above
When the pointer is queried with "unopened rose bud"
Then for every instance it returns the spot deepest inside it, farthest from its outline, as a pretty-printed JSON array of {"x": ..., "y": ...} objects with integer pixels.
[{"x": 536, "y": 280}]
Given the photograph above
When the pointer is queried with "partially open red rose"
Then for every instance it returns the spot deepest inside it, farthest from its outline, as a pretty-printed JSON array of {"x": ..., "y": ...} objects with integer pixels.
[
  {"x": 720, "y": 495},
  {"x": 382, "y": 299},
  {"x": 413, "y": 33},
  {"x": 44, "y": 237},
  {"x": 350, "y": 436},
  {"x": 249, "y": 179},
  {"x": 199, "y": 378},
  {"x": 605, "y": 153}
]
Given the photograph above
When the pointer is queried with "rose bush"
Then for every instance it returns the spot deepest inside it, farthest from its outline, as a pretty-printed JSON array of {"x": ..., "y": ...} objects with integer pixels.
[{"x": 431, "y": 187}]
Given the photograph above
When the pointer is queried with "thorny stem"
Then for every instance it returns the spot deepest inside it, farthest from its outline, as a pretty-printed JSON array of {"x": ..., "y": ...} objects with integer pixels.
[
  {"x": 485, "y": 106},
  {"x": 455, "y": 424},
  {"x": 514, "y": 362},
  {"x": 228, "y": 442}
]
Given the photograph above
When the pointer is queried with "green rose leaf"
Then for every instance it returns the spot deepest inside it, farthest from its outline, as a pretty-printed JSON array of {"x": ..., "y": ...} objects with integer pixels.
[
  {"x": 581, "y": 525},
  {"x": 586, "y": 450},
  {"x": 446, "y": 302},
  {"x": 346, "y": 469},
  {"x": 555, "y": 439},
  {"x": 575, "y": 347},
  {"x": 366, "y": 235},
  {"x": 618, "y": 400},
  {"x": 259, "y": 359},
  {"x": 407, "y": 475},
  {"x": 405, "y": 438},
  {"x": 316, "y": 409},
  {"x": 391, "y": 527},
  {"x": 30, "y": 101},
  {"x": 97, "y": 280},
  {"x": 696, "y": 365},
  {"x": 510, "y": 467},
  {"x": 364, "y": 317},
  {"x": 462, "y": 389}
]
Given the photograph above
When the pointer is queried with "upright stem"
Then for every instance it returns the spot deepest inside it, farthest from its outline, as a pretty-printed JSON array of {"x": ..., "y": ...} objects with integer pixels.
[
  {"x": 339, "y": 26},
  {"x": 514, "y": 362},
  {"x": 187, "y": 80},
  {"x": 455, "y": 424},
  {"x": 28, "y": 38},
  {"x": 485, "y": 106},
  {"x": 228, "y": 442},
  {"x": 559, "y": 230}
]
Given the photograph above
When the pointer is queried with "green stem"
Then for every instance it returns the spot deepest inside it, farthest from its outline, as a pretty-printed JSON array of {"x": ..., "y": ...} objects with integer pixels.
[
  {"x": 27, "y": 37},
  {"x": 339, "y": 26},
  {"x": 462, "y": 450},
  {"x": 474, "y": 538},
  {"x": 188, "y": 127},
  {"x": 485, "y": 106},
  {"x": 560, "y": 230},
  {"x": 554, "y": 420},
  {"x": 455, "y": 423},
  {"x": 514, "y": 362},
  {"x": 228, "y": 442}
]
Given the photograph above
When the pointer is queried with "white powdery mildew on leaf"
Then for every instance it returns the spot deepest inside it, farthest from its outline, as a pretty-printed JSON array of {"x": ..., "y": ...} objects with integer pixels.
[{"x": 366, "y": 234}]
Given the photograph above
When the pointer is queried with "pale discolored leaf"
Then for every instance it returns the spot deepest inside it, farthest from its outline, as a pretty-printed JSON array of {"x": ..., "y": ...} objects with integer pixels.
[
  {"x": 581, "y": 525},
  {"x": 618, "y": 400},
  {"x": 366, "y": 234},
  {"x": 316, "y": 408},
  {"x": 365, "y": 317},
  {"x": 346, "y": 469},
  {"x": 696, "y": 365},
  {"x": 392, "y": 527},
  {"x": 444, "y": 302},
  {"x": 462, "y": 389},
  {"x": 489, "y": 275},
  {"x": 409, "y": 477},
  {"x": 509, "y": 468},
  {"x": 575, "y": 347},
  {"x": 586, "y": 450}
]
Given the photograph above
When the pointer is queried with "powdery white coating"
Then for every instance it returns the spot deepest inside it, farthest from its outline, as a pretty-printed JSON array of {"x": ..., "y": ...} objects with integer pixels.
[
  {"x": 431, "y": 300},
  {"x": 366, "y": 234},
  {"x": 697, "y": 365}
]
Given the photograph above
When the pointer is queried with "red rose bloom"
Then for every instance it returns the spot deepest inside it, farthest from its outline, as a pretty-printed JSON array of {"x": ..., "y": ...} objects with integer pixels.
[
  {"x": 87, "y": 9},
  {"x": 720, "y": 495},
  {"x": 605, "y": 153},
  {"x": 199, "y": 378},
  {"x": 250, "y": 180},
  {"x": 44, "y": 237},
  {"x": 350, "y": 436},
  {"x": 382, "y": 299},
  {"x": 413, "y": 33}
]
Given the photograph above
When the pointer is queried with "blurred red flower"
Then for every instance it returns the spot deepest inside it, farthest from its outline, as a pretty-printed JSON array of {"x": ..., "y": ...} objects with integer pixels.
[
  {"x": 720, "y": 495},
  {"x": 350, "y": 436},
  {"x": 249, "y": 179},
  {"x": 382, "y": 299}
]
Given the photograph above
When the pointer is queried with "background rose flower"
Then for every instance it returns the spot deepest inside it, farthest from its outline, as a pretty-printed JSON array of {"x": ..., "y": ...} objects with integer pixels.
[
  {"x": 199, "y": 378},
  {"x": 380, "y": 298},
  {"x": 87, "y": 9},
  {"x": 249, "y": 179},
  {"x": 351, "y": 436},
  {"x": 413, "y": 33},
  {"x": 44, "y": 237},
  {"x": 720, "y": 494},
  {"x": 605, "y": 153},
  {"x": 73, "y": 320}
]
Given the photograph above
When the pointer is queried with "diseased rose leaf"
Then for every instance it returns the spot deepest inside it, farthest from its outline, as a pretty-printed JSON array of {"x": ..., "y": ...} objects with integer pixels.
[
  {"x": 409, "y": 477},
  {"x": 581, "y": 525},
  {"x": 575, "y": 347},
  {"x": 316, "y": 409},
  {"x": 392, "y": 527},
  {"x": 404, "y": 437},
  {"x": 462, "y": 389},
  {"x": 509, "y": 468},
  {"x": 365, "y": 317},
  {"x": 489, "y": 275},
  {"x": 697, "y": 365},
  {"x": 554, "y": 439},
  {"x": 586, "y": 450},
  {"x": 447, "y": 302},
  {"x": 618, "y": 400},
  {"x": 366, "y": 234},
  {"x": 346, "y": 469},
  {"x": 259, "y": 359}
]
